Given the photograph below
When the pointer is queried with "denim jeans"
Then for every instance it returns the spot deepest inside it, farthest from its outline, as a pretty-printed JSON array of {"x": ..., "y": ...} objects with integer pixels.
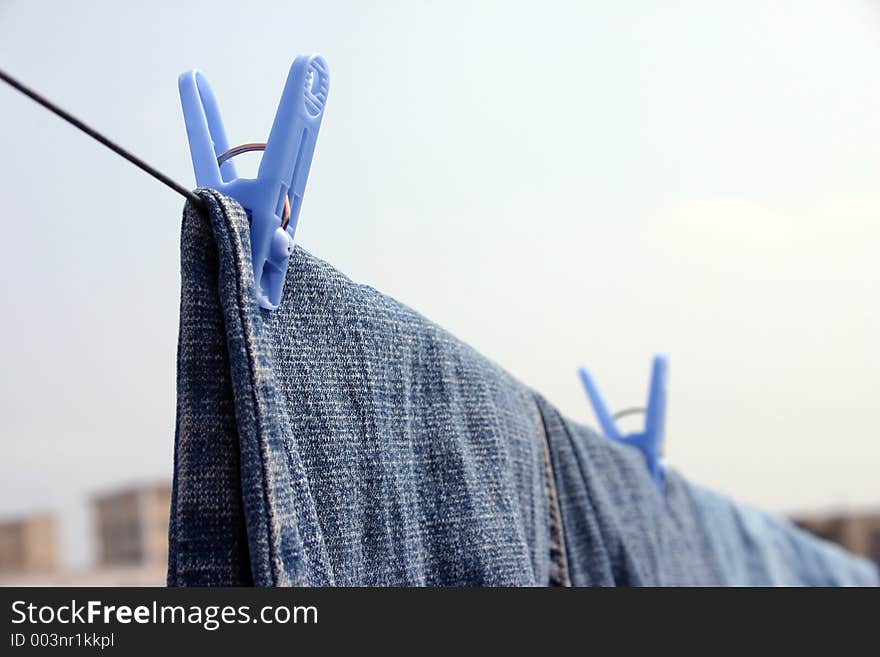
[
  {"x": 344, "y": 440},
  {"x": 754, "y": 548}
]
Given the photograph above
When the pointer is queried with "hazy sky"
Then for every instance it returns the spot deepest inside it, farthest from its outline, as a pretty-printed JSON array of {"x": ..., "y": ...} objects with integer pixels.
[{"x": 555, "y": 182}]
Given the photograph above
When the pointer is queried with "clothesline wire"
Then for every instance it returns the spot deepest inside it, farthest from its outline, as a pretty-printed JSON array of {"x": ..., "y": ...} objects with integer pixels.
[{"x": 94, "y": 134}]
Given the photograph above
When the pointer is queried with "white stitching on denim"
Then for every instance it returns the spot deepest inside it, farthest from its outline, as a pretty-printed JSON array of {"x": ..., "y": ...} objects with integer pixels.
[{"x": 558, "y": 575}]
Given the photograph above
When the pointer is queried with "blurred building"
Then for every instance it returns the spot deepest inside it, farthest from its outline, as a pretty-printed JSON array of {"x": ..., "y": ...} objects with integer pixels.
[
  {"x": 29, "y": 544},
  {"x": 132, "y": 525},
  {"x": 857, "y": 532},
  {"x": 131, "y": 537}
]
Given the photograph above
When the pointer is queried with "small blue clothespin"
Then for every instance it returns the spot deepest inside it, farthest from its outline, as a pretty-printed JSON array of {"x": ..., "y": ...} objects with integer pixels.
[
  {"x": 649, "y": 441},
  {"x": 273, "y": 199}
]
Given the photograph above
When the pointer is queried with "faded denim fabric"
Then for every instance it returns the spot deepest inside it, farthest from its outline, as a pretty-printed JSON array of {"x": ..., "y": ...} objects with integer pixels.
[
  {"x": 755, "y": 548},
  {"x": 618, "y": 530},
  {"x": 343, "y": 439}
]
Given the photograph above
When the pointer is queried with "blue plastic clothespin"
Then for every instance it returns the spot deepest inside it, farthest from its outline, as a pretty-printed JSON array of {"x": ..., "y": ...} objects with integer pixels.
[
  {"x": 649, "y": 441},
  {"x": 274, "y": 197}
]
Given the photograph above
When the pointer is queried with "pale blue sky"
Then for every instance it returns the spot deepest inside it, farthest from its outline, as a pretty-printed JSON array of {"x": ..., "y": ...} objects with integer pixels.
[{"x": 554, "y": 182}]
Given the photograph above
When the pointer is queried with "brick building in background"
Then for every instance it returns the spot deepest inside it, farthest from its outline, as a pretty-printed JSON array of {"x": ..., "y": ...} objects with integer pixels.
[
  {"x": 131, "y": 543},
  {"x": 131, "y": 525},
  {"x": 857, "y": 532},
  {"x": 29, "y": 545}
]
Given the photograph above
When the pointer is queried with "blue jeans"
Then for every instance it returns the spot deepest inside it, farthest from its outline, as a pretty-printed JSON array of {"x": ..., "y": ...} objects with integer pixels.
[{"x": 345, "y": 440}]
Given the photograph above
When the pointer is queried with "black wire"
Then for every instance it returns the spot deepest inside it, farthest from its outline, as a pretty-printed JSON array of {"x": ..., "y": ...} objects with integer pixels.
[{"x": 94, "y": 134}]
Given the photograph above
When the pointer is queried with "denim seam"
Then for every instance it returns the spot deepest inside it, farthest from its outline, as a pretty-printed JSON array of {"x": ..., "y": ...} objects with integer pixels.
[
  {"x": 559, "y": 575},
  {"x": 582, "y": 470},
  {"x": 256, "y": 407},
  {"x": 258, "y": 374}
]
